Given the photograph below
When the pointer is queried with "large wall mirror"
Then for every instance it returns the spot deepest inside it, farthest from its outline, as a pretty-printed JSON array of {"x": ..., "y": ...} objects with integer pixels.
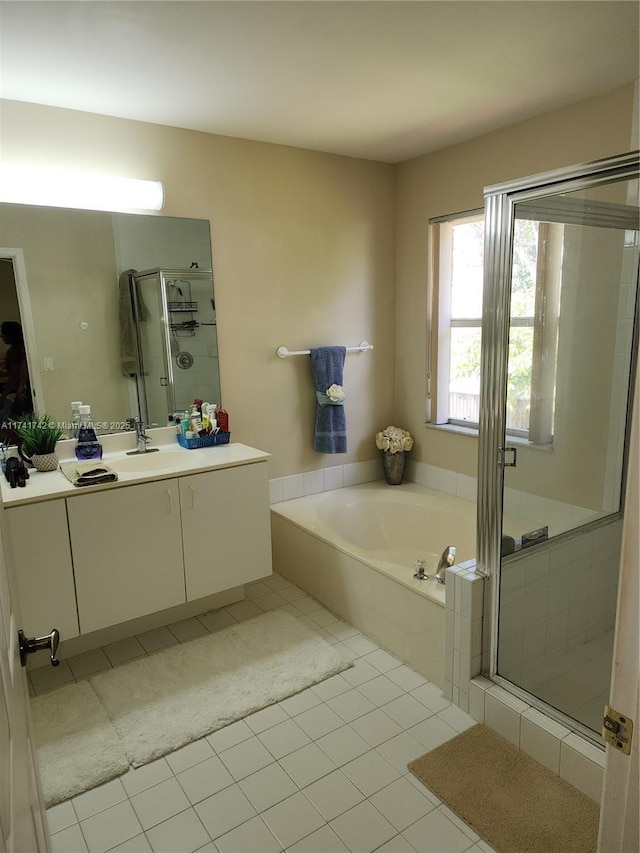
[{"x": 60, "y": 272}]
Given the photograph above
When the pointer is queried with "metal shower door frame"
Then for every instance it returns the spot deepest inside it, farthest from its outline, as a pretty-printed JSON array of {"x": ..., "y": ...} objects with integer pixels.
[{"x": 500, "y": 200}]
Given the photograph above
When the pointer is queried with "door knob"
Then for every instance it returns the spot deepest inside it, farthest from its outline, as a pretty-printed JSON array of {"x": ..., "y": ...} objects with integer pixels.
[{"x": 29, "y": 645}]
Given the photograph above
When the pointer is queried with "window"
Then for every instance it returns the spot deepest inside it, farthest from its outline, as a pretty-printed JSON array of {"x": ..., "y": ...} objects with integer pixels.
[{"x": 458, "y": 245}]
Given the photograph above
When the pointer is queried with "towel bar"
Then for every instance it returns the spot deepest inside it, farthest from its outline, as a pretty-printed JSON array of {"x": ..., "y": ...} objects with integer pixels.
[{"x": 283, "y": 352}]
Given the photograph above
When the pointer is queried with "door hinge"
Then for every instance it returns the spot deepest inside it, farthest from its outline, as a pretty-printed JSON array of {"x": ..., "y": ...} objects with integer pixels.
[
  {"x": 617, "y": 730},
  {"x": 502, "y": 457}
]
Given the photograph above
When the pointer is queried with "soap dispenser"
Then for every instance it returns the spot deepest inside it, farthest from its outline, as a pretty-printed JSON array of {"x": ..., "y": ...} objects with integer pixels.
[{"x": 87, "y": 445}]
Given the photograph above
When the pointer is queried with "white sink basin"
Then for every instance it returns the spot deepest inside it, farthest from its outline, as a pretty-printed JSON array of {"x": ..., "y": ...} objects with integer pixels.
[{"x": 157, "y": 461}]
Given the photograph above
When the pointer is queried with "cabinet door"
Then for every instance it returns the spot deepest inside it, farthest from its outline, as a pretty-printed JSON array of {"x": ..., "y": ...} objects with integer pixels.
[
  {"x": 39, "y": 540},
  {"x": 226, "y": 528},
  {"x": 127, "y": 552}
]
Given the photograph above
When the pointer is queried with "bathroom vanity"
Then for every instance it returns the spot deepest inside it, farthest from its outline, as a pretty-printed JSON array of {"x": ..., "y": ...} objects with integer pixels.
[{"x": 176, "y": 527}]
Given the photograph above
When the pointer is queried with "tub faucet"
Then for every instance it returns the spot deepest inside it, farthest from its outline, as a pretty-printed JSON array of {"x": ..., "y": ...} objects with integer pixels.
[{"x": 447, "y": 559}]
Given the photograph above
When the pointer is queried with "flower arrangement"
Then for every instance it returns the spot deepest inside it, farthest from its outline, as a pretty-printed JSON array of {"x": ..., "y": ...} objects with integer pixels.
[{"x": 394, "y": 439}]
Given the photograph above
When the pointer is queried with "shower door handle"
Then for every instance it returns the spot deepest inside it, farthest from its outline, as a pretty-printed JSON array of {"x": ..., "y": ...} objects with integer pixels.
[{"x": 502, "y": 460}]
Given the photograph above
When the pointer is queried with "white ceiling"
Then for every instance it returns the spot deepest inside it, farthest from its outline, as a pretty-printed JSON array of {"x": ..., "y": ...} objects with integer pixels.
[{"x": 380, "y": 80}]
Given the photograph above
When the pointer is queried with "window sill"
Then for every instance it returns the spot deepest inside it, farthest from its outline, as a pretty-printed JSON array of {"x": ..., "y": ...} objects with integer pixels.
[{"x": 472, "y": 432}]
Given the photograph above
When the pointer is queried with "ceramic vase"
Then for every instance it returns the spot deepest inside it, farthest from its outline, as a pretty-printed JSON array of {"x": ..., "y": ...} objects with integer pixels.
[
  {"x": 393, "y": 464},
  {"x": 45, "y": 462}
]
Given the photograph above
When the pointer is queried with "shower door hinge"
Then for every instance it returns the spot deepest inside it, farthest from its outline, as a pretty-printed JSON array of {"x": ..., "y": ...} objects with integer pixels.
[
  {"x": 502, "y": 457},
  {"x": 617, "y": 730}
]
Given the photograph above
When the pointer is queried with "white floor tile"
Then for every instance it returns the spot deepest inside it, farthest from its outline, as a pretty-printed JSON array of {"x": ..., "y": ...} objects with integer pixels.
[
  {"x": 159, "y": 638},
  {"x": 457, "y": 718},
  {"x": 139, "y": 844},
  {"x": 407, "y": 711},
  {"x": 319, "y": 721},
  {"x": 432, "y": 732},
  {"x": 363, "y": 828},
  {"x": 343, "y": 745},
  {"x": 370, "y": 772},
  {"x": 98, "y": 799},
  {"x": 307, "y": 764},
  {"x": 399, "y": 844},
  {"x": 229, "y": 736},
  {"x": 351, "y": 705},
  {"x": 400, "y": 750},
  {"x": 333, "y": 794},
  {"x": 401, "y": 803},
  {"x": 292, "y": 819},
  {"x": 189, "y": 755},
  {"x": 331, "y": 687},
  {"x": 360, "y": 645},
  {"x": 376, "y": 727},
  {"x": 266, "y": 718},
  {"x": 124, "y": 650},
  {"x": 431, "y": 696},
  {"x": 253, "y": 836},
  {"x": 225, "y": 811},
  {"x": 302, "y": 701},
  {"x": 360, "y": 673},
  {"x": 50, "y": 677},
  {"x": 69, "y": 840},
  {"x": 268, "y": 786},
  {"x": 140, "y": 778},
  {"x": 204, "y": 779},
  {"x": 108, "y": 828},
  {"x": 284, "y": 738},
  {"x": 184, "y": 832},
  {"x": 435, "y": 833},
  {"x": 188, "y": 629},
  {"x": 245, "y": 758},
  {"x": 60, "y": 817},
  {"x": 380, "y": 690},
  {"x": 406, "y": 678},
  {"x": 382, "y": 661},
  {"x": 216, "y": 620},
  {"x": 159, "y": 803},
  {"x": 89, "y": 663},
  {"x": 243, "y": 610},
  {"x": 323, "y": 840}
]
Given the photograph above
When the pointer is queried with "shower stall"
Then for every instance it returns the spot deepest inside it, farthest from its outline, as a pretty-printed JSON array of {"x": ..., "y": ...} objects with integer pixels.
[
  {"x": 560, "y": 338},
  {"x": 175, "y": 320}
]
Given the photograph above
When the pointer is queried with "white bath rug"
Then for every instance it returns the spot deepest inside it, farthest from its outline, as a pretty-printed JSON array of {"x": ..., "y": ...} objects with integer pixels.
[
  {"x": 162, "y": 702},
  {"x": 78, "y": 747}
]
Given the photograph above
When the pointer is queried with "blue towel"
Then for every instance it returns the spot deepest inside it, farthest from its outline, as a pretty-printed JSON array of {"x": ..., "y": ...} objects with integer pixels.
[{"x": 327, "y": 364}]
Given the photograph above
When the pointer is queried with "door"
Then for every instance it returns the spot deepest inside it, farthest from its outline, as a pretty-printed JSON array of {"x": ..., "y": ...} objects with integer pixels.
[
  {"x": 559, "y": 359},
  {"x": 22, "y": 818}
]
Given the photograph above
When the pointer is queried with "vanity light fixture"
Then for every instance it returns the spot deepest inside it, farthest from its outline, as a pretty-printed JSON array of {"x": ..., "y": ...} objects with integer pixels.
[{"x": 64, "y": 188}]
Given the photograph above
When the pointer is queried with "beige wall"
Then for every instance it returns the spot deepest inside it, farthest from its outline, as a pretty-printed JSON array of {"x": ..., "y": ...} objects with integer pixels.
[
  {"x": 303, "y": 253},
  {"x": 306, "y": 247},
  {"x": 452, "y": 180}
]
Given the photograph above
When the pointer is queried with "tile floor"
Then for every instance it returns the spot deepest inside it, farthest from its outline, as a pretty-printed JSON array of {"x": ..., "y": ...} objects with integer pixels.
[{"x": 322, "y": 771}]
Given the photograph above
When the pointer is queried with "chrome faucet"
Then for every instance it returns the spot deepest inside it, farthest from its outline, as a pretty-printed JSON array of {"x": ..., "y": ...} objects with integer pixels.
[
  {"x": 447, "y": 559},
  {"x": 143, "y": 438}
]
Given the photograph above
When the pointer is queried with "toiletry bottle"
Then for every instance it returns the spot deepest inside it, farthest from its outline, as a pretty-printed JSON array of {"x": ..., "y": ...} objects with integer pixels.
[
  {"x": 223, "y": 420},
  {"x": 87, "y": 445},
  {"x": 75, "y": 417}
]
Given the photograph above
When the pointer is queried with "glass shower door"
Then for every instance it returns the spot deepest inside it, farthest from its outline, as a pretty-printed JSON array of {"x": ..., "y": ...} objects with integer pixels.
[{"x": 568, "y": 303}]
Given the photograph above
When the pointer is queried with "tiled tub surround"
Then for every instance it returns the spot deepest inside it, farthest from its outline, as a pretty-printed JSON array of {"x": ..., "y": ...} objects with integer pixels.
[
  {"x": 571, "y": 756},
  {"x": 355, "y": 550},
  {"x": 325, "y": 770}
]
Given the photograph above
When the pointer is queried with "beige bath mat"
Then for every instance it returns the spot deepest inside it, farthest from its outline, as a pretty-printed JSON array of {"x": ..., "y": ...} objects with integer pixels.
[{"x": 514, "y": 803}]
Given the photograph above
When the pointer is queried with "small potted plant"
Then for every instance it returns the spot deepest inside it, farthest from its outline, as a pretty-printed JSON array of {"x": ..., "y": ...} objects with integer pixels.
[
  {"x": 395, "y": 444},
  {"x": 39, "y": 435}
]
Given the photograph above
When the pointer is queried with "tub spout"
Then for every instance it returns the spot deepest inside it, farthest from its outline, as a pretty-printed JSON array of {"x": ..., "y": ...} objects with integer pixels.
[{"x": 447, "y": 559}]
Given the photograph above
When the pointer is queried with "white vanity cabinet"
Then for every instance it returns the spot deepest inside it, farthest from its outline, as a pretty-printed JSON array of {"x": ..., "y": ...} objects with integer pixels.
[
  {"x": 39, "y": 540},
  {"x": 226, "y": 530},
  {"x": 127, "y": 552},
  {"x": 90, "y": 558}
]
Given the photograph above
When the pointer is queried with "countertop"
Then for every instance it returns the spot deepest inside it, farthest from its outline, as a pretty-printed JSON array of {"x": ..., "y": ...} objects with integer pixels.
[{"x": 49, "y": 485}]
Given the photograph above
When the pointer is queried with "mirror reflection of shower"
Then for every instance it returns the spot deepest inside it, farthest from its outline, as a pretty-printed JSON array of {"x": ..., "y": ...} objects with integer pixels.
[{"x": 177, "y": 338}]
